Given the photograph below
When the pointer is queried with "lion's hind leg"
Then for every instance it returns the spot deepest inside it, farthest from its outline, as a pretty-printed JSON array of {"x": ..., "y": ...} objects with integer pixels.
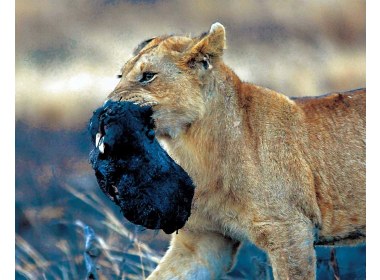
[{"x": 290, "y": 247}]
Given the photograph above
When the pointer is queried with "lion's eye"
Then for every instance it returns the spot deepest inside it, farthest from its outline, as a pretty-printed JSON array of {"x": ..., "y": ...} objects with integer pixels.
[
  {"x": 119, "y": 76},
  {"x": 147, "y": 77}
]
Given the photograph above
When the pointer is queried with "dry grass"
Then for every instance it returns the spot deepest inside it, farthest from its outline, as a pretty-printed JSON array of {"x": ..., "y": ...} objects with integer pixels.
[{"x": 131, "y": 259}]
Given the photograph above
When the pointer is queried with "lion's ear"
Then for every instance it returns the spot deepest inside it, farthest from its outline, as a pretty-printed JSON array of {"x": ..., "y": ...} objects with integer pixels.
[
  {"x": 210, "y": 45},
  {"x": 213, "y": 43}
]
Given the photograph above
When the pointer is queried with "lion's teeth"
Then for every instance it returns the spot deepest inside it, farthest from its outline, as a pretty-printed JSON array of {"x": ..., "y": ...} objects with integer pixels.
[
  {"x": 97, "y": 139},
  {"x": 101, "y": 145},
  {"x": 101, "y": 148}
]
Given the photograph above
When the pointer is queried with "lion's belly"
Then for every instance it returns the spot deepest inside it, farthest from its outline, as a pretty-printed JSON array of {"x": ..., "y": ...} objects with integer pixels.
[{"x": 342, "y": 205}]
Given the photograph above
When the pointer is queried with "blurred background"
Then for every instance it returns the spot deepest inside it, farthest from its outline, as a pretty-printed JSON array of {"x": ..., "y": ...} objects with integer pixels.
[{"x": 68, "y": 54}]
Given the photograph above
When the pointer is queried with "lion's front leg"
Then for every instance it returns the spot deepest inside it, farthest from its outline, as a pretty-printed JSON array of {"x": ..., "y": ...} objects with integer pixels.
[
  {"x": 290, "y": 247},
  {"x": 196, "y": 256}
]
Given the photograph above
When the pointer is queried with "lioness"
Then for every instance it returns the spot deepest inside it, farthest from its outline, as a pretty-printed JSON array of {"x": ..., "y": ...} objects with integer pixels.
[{"x": 284, "y": 173}]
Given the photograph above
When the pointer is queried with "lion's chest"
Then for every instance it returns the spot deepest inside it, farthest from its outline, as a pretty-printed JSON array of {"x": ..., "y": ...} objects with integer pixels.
[
  {"x": 223, "y": 199},
  {"x": 223, "y": 214}
]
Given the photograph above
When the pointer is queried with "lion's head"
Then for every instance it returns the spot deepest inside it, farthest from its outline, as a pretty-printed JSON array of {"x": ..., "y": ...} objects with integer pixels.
[{"x": 174, "y": 75}]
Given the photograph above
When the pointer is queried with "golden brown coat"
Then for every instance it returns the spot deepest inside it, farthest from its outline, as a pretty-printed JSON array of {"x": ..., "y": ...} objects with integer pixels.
[{"x": 283, "y": 173}]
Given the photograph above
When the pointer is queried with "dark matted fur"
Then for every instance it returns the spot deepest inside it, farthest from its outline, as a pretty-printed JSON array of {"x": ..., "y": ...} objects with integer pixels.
[{"x": 135, "y": 172}]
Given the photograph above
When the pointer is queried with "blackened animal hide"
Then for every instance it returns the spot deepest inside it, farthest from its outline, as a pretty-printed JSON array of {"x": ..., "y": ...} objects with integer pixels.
[{"x": 134, "y": 171}]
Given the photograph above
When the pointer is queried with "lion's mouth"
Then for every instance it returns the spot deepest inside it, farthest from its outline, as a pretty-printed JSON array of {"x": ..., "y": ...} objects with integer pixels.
[{"x": 136, "y": 99}]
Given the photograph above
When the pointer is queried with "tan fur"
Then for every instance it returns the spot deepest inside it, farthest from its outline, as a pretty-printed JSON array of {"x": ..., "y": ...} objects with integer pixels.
[{"x": 283, "y": 173}]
